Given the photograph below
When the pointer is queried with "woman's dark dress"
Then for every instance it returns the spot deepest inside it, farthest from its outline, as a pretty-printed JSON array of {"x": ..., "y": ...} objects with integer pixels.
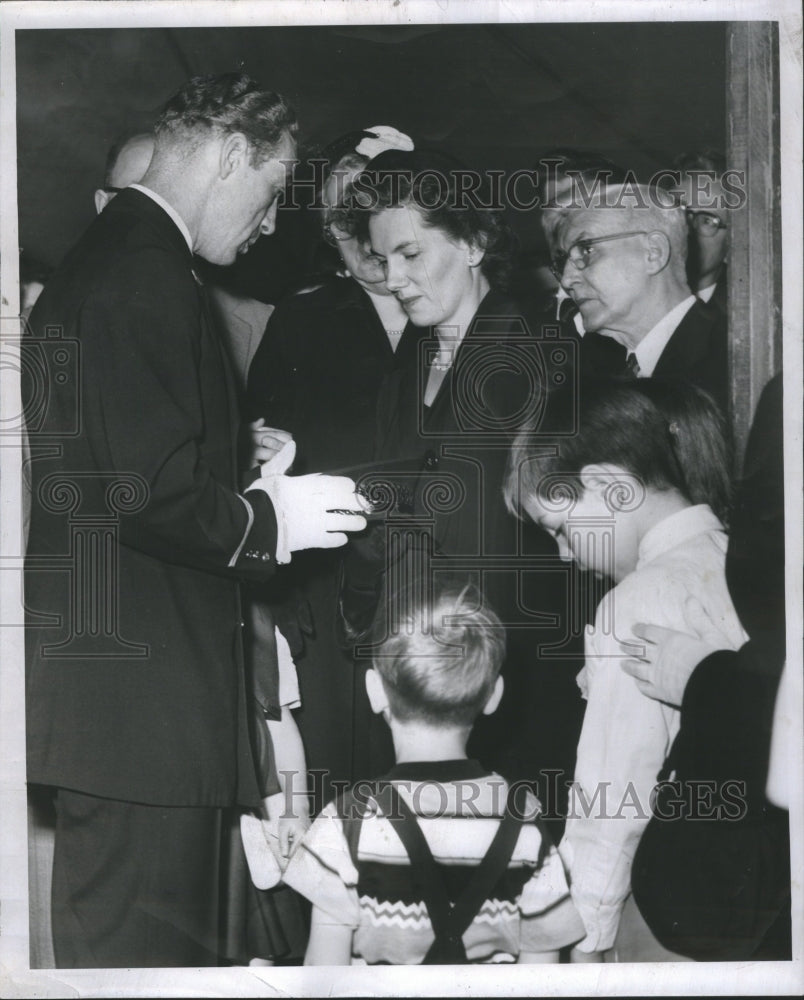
[{"x": 450, "y": 460}]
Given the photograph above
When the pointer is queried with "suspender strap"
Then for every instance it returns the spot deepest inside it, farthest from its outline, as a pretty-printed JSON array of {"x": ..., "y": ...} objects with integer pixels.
[
  {"x": 424, "y": 871},
  {"x": 490, "y": 869},
  {"x": 450, "y": 922}
]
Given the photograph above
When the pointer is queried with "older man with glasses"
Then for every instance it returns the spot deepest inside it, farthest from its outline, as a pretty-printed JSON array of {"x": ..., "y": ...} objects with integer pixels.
[{"x": 622, "y": 261}]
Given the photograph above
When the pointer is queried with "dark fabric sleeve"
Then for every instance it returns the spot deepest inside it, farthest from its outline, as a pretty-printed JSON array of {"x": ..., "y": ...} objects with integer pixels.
[
  {"x": 727, "y": 716},
  {"x": 147, "y": 349},
  {"x": 755, "y": 562}
]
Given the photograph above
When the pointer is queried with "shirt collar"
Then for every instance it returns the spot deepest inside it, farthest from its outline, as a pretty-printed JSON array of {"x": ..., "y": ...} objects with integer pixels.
[
  {"x": 437, "y": 770},
  {"x": 675, "y": 530},
  {"x": 649, "y": 349},
  {"x": 705, "y": 294},
  {"x": 171, "y": 211}
]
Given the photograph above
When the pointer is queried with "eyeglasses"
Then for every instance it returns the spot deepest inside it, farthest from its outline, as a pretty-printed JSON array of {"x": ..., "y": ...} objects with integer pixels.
[
  {"x": 704, "y": 223},
  {"x": 582, "y": 252}
]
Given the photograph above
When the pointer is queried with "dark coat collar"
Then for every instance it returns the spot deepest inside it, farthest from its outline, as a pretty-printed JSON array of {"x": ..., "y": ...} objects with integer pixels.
[{"x": 133, "y": 202}]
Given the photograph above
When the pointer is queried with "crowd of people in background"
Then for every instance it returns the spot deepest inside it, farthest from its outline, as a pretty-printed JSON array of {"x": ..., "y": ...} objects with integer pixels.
[{"x": 436, "y": 600}]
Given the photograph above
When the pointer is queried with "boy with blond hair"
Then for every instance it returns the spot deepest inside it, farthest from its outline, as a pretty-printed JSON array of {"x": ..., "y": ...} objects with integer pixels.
[{"x": 439, "y": 861}]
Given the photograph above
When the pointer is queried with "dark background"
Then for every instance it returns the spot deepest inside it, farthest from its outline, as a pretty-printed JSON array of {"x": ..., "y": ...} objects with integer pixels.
[{"x": 496, "y": 96}]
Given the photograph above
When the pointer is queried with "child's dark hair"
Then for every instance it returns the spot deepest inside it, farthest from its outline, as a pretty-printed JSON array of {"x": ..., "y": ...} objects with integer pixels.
[
  {"x": 670, "y": 435},
  {"x": 439, "y": 655}
]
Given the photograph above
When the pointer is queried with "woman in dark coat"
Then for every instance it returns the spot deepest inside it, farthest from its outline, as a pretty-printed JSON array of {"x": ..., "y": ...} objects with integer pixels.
[{"x": 444, "y": 427}]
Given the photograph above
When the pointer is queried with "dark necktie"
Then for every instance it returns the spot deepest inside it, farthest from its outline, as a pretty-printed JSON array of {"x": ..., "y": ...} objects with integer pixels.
[{"x": 632, "y": 366}]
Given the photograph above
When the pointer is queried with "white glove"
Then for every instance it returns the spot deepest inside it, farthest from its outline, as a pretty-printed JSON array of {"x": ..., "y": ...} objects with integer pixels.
[{"x": 312, "y": 512}]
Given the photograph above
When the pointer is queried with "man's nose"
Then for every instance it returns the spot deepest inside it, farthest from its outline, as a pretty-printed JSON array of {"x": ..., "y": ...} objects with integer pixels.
[
  {"x": 268, "y": 224},
  {"x": 570, "y": 275}
]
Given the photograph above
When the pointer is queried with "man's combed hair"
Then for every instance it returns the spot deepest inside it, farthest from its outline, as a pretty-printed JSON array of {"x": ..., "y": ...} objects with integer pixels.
[
  {"x": 228, "y": 103},
  {"x": 439, "y": 657}
]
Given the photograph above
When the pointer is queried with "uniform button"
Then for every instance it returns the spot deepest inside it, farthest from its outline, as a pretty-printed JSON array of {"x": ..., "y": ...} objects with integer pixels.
[
  {"x": 431, "y": 460},
  {"x": 265, "y": 557}
]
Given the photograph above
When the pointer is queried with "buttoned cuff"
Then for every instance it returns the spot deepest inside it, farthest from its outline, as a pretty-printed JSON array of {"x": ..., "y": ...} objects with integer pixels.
[
  {"x": 282, "y": 546},
  {"x": 255, "y": 555}
]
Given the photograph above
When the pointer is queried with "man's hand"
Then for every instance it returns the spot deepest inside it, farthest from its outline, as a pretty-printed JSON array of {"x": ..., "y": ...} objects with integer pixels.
[
  {"x": 664, "y": 659},
  {"x": 265, "y": 442},
  {"x": 315, "y": 511}
]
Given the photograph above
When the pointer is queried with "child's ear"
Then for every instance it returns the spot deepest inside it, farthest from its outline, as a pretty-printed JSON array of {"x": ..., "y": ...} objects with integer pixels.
[
  {"x": 376, "y": 692},
  {"x": 494, "y": 698},
  {"x": 599, "y": 477}
]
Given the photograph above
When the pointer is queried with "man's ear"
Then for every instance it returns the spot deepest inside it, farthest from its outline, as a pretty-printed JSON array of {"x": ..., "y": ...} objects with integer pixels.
[
  {"x": 658, "y": 251},
  {"x": 601, "y": 479},
  {"x": 494, "y": 698},
  {"x": 102, "y": 199},
  {"x": 234, "y": 153},
  {"x": 375, "y": 690}
]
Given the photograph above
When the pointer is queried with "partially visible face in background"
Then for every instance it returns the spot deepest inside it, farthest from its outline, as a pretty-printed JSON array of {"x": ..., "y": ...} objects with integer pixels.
[{"x": 357, "y": 257}]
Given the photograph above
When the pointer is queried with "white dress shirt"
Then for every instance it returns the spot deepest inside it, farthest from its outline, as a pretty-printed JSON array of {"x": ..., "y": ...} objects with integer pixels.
[
  {"x": 649, "y": 349},
  {"x": 171, "y": 211},
  {"x": 626, "y": 736},
  {"x": 705, "y": 294}
]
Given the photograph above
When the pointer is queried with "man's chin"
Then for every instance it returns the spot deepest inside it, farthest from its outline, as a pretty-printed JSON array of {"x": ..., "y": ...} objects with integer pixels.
[{"x": 220, "y": 259}]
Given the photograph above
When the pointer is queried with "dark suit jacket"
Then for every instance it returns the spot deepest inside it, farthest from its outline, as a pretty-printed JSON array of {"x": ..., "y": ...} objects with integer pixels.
[
  {"x": 698, "y": 353},
  {"x": 135, "y": 686}
]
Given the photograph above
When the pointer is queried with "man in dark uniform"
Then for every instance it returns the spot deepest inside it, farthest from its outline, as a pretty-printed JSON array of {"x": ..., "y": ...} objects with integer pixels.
[{"x": 136, "y": 701}]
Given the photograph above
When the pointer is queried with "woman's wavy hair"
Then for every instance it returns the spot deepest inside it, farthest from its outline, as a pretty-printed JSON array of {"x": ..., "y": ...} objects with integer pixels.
[{"x": 436, "y": 185}]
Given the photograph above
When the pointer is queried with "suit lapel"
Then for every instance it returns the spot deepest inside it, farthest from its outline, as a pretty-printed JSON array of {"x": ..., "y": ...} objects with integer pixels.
[{"x": 688, "y": 344}]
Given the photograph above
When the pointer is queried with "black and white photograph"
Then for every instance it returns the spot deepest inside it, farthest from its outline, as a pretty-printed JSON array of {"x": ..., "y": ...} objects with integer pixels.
[{"x": 401, "y": 498}]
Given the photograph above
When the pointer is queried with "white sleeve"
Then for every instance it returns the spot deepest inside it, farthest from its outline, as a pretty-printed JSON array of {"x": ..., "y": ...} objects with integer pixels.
[{"x": 623, "y": 744}]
